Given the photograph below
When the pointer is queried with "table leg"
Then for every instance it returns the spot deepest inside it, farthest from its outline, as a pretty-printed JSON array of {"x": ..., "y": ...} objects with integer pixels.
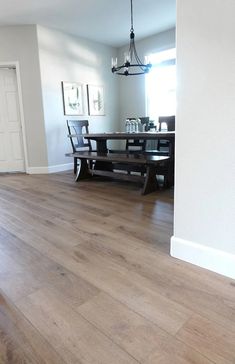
[
  {"x": 101, "y": 146},
  {"x": 170, "y": 177},
  {"x": 103, "y": 166}
]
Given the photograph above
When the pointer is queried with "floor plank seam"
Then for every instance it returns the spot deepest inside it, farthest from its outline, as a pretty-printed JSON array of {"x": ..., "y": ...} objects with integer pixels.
[{"x": 7, "y": 299}]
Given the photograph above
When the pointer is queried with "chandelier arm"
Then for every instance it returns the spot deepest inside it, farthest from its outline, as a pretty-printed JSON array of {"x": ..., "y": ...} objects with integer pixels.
[
  {"x": 131, "y": 50},
  {"x": 140, "y": 64},
  {"x": 136, "y": 55}
]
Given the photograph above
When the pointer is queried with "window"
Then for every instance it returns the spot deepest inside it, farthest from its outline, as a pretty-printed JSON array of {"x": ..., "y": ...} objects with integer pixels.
[{"x": 161, "y": 85}]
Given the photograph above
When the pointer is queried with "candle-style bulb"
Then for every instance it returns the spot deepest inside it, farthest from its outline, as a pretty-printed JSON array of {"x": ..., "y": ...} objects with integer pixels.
[
  {"x": 127, "y": 57},
  {"x": 114, "y": 62},
  {"x": 146, "y": 60}
]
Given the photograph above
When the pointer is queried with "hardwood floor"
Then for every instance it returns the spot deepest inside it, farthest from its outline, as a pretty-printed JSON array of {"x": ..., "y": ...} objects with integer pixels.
[{"x": 86, "y": 277}]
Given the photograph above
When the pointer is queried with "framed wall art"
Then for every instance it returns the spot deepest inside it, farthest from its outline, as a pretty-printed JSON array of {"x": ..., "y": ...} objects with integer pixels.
[
  {"x": 73, "y": 98},
  {"x": 95, "y": 96}
]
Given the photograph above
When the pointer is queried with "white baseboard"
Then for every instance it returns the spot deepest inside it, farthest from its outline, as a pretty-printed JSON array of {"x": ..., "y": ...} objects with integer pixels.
[
  {"x": 37, "y": 170},
  {"x": 206, "y": 257},
  {"x": 50, "y": 169},
  {"x": 60, "y": 168}
]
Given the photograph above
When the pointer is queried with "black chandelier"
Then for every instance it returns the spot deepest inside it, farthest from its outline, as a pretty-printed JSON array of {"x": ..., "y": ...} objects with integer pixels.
[{"x": 132, "y": 64}]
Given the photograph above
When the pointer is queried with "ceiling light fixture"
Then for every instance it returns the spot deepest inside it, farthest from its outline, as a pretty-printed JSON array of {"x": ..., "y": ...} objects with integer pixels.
[{"x": 132, "y": 64}]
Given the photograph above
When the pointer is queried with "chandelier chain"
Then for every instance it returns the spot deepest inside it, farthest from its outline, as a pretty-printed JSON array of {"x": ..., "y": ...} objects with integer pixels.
[{"x": 132, "y": 26}]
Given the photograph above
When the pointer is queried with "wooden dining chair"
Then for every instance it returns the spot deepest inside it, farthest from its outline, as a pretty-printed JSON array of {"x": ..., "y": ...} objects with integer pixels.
[
  {"x": 163, "y": 148},
  {"x": 78, "y": 142},
  {"x": 132, "y": 146},
  {"x": 169, "y": 123},
  {"x": 168, "y": 120}
]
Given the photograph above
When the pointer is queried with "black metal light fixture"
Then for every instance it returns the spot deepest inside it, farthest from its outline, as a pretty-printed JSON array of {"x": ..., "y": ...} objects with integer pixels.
[{"x": 132, "y": 64}]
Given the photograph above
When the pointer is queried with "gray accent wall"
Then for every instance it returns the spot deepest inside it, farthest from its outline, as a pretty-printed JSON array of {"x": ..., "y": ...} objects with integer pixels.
[{"x": 67, "y": 58}]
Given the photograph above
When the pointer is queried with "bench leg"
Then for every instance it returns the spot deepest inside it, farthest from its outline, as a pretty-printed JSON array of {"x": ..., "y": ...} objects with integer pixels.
[
  {"x": 150, "y": 183},
  {"x": 75, "y": 167},
  {"x": 82, "y": 170}
]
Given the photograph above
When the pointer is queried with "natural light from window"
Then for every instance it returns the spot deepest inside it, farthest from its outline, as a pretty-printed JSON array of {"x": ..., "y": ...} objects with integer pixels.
[{"x": 161, "y": 85}]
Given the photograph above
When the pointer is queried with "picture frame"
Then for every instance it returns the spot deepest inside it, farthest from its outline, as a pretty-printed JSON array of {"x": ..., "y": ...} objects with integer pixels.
[
  {"x": 95, "y": 97},
  {"x": 73, "y": 98}
]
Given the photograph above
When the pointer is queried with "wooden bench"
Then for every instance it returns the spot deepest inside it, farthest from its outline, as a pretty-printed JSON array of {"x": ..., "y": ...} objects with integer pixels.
[{"x": 104, "y": 163}]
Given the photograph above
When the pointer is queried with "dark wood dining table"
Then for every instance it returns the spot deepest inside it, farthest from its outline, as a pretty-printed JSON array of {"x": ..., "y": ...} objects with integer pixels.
[{"x": 102, "y": 138}]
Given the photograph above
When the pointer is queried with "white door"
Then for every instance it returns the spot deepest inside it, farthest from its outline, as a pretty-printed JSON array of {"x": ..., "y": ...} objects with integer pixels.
[{"x": 11, "y": 145}]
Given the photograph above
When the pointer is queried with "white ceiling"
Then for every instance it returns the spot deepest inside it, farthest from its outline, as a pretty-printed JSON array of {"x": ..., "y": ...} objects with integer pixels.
[{"x": 105, "y": 21}]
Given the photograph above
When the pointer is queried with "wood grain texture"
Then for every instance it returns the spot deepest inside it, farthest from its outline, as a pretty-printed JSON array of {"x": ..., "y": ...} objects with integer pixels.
[
  {"x": 215, "y": 342},
  {"x": 138, "y": 336},
  {"x": 20, "y": 342},
  {"x": 86, "y": 277},
  {"x": 73, "y": 337}
]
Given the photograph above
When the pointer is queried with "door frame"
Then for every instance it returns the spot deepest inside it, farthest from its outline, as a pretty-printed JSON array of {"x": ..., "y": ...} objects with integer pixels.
[{"x": 15, "y": 65}]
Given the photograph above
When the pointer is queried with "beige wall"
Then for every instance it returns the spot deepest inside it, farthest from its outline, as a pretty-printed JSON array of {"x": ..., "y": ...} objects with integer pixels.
[
  {"x": 19, "y": 43},
  {"x": 204, "y": 231}
]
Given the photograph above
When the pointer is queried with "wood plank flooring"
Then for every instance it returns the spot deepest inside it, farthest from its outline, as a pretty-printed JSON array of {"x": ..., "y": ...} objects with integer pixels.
[{"x": 86, "y": 277}]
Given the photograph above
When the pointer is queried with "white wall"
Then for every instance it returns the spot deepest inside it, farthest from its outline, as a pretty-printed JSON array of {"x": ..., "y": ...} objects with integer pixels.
[
  {"x": 19, "y": 43},
  {"x": 67, "y": 58},
  {"x": 204, "y": 230},
  {"x": 132, "y": 89}
]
